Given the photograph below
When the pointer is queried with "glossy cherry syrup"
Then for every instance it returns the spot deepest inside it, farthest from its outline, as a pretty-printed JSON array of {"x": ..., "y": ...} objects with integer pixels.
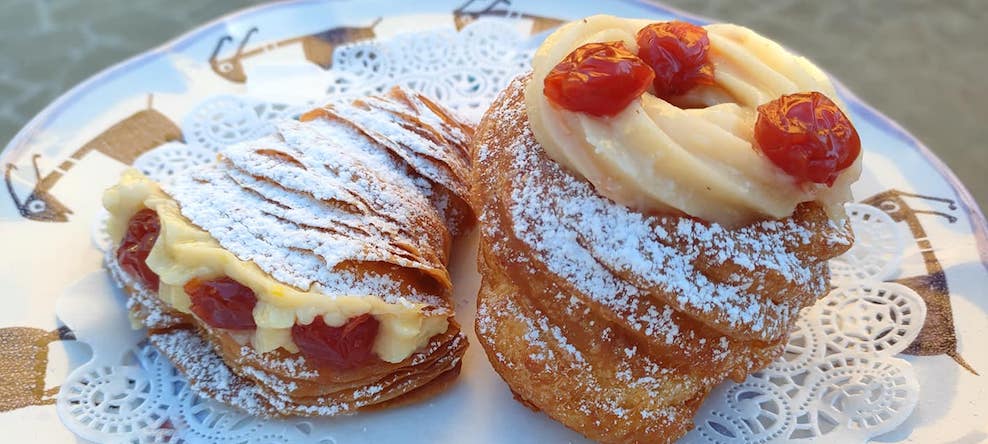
[
  {"x": 132, "y": 254},
  {"x": 677, "y": 53},
  {"x": 343, "y": 347},
  {"x": 599, "y": 79},
  {"x": 808, "y": 136},
  {"x": 222, "y": 303}
]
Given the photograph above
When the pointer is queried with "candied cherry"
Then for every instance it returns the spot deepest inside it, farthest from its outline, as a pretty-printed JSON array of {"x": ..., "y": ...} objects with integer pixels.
[
  {"x": 677, "y": 53},
  {"x": 342, "y": 347},
  {"x": 599, "y": 79},
  {"x": 222, "y": 303},
  {"x": 808, "y": 136},
  {"x": 132, "y": 254}
]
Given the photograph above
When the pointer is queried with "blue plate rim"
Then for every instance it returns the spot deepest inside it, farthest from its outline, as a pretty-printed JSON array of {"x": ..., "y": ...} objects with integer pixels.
[{"x": 977, "y": 219}]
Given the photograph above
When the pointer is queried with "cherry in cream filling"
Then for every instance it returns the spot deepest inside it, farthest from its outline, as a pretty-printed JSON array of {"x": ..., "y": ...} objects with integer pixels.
[
  {"x": 227, "y": 304},
  {"x": 132, "y": 254},
  {"x": 222, "y": 303}
]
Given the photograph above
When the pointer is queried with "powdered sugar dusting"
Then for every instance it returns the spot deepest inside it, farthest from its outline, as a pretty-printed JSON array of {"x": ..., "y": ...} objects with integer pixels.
[
  {"x": 298, "y": 219},
  {"x": 308, "y": 205},
  {"x": 640, "y": 315},
  {"x": 547, "y": 345},
  {"x": 431, "y": 142},
  {"x": 140, "y": 297},
  {"x": 614, "y": 254},
  {"x": 319, "y": 194}
]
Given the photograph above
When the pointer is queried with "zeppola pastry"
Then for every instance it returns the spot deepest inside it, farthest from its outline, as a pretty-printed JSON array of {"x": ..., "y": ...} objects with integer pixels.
[
  {"x": 304, "y": 273},
  {"x": 657, "y": 201}
]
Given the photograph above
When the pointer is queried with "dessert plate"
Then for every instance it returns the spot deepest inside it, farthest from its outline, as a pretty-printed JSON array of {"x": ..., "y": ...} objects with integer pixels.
[{"x": 893, "y": 352}]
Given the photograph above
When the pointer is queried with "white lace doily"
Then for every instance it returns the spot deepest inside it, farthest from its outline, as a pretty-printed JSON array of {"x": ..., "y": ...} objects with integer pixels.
[{"x": 839, "y": 380}]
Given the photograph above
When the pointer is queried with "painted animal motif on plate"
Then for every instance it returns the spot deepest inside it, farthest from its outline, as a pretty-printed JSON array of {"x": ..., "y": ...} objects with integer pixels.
[
  {"x": 124, "y": 142},
  {"x": 23, "y": 364},
  {"x": 938, "y": 336},
  {"x": 318, "y": 47},
  {"x": 472, "y": 10}
]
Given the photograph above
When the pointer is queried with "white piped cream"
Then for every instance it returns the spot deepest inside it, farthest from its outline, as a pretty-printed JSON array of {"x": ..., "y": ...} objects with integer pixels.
[{"x": 695, "y": 156}]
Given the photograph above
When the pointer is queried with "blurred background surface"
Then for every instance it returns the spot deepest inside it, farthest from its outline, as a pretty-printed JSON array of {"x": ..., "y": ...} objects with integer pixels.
[{"x": 921, "y": 62}]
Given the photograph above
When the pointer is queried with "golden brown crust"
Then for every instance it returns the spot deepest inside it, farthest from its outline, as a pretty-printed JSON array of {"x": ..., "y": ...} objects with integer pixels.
[
  {"x": 619, "y": 332},
  {"x": 584, "y": 393}
]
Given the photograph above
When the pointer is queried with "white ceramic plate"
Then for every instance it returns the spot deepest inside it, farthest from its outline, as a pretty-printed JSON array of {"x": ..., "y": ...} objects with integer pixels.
[{"x": 57, "y": 166}]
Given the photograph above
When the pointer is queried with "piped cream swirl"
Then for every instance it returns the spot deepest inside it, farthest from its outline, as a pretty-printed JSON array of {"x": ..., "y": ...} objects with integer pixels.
[{"x": 694, "y": 154}]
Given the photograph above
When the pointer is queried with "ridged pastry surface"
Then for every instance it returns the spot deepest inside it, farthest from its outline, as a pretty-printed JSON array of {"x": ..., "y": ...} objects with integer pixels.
[{"x": 618, "y": 323}]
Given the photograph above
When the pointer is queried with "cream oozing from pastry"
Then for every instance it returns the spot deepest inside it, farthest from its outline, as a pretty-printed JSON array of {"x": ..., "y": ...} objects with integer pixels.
[
  {"x": 694, "y": 155},
  {"x": 184, "y": 251}
]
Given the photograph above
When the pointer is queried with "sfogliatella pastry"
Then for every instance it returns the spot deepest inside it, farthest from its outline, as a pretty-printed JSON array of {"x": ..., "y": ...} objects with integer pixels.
[
  {"x": 657, "y": 201},
  {"x": 304, "y": 273}
]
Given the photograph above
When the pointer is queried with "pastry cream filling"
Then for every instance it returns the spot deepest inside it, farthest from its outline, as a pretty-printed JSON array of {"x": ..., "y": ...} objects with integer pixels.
[
  {"x": 656, "y": 156},
  {"x": 184, "y": 251}
]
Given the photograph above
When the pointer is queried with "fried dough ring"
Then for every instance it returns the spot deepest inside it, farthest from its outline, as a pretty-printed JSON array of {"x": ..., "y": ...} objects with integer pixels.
[{"x": 617, "y": 350}]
